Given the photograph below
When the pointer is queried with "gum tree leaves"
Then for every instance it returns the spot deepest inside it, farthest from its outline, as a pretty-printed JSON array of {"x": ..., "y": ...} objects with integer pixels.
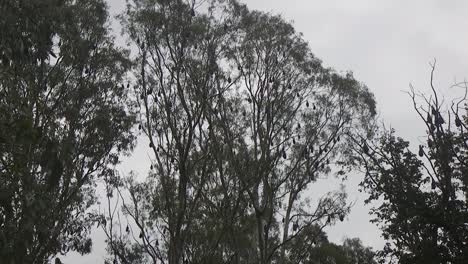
[{"x": 63, "y": 120}]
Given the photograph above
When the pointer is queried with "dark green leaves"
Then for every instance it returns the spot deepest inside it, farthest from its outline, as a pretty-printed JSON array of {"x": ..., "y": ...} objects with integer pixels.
[{"x": 63, "y": 121}]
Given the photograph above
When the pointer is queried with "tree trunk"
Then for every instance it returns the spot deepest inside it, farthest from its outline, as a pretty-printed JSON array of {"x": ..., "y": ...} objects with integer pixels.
[{"x": 286, "y": 227}]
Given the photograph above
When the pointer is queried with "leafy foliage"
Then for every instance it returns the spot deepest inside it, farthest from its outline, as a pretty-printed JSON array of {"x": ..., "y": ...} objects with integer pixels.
[
  {"x": 64, "y": 118},
  {"x": 241, "y": 117},
  {"x": 424, "y": 210},
  {"x": 312, "y": 246}
]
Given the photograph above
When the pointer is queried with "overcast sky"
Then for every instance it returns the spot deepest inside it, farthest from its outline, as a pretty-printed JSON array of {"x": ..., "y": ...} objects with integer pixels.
[{"x": 387, "y": 44}]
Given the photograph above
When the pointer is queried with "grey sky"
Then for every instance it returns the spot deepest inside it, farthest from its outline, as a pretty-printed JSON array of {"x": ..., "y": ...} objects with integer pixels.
[{"x": 387, "y": 44}]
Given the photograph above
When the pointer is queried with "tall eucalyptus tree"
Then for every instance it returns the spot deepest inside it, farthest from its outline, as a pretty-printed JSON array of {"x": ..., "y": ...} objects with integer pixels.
[
  {"x": 241, "y": 118},
  {"x": 64, "y": 118}
]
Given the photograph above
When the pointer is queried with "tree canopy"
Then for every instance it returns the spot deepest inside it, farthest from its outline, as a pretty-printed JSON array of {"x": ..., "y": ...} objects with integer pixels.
[
  {"x": 241, "y": 118},
  {"x": 64, "y": 121},
  {"x": 423, "y": 214}
]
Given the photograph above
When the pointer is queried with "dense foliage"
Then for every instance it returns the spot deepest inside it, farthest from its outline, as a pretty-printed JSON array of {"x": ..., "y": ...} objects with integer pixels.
[
  {"x": 312, "y": 246},
  {"x": 424, "y": 213},
  {"x": 64, "y": 118}
]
